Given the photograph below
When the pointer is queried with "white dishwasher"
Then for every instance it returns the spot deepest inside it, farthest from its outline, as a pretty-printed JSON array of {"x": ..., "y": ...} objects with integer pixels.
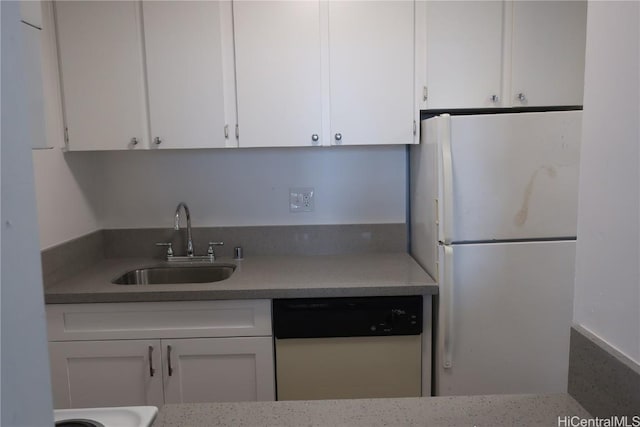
[{"x": 348, "y": 348}]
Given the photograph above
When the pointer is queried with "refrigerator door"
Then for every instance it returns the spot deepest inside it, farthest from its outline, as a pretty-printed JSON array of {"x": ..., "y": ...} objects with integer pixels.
[
  {"x": 506, "y": 326},
  {"x": 510, "y": 176}
]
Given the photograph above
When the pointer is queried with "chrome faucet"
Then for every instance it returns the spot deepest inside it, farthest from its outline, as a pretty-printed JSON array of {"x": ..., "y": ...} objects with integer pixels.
[{"x": 177, "y": 226}]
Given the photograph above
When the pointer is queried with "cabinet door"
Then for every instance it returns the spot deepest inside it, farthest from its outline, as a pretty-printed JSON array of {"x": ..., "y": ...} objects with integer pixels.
[
  {"x": 106, "y": 373},
  {"x": 277, "y": 51},
  {"x": 183, "y": 45},
  {"x": 464, "y": 54},
  {"x": 33, "y": 76},
  {"x": 101, "y": 65},
  {"x": 371, "y": 57},
  {"x": 31, "y": 12},
  {"x": 218, "y": 369},
  {"x": 548, "y": 52}
]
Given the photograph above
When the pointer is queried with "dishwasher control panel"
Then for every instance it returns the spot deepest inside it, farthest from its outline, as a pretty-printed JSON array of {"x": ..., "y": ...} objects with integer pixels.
[{"x": 347, "y": 317}]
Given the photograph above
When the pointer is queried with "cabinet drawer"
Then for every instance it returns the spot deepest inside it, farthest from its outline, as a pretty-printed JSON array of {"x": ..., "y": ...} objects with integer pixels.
[{"x": 189, "y": 319}]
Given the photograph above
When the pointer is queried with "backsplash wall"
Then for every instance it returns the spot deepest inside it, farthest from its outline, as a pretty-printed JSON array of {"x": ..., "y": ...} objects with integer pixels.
[
  {"x": 242, "y": 187},
  {"x": 64, "y": 195},
  {"x": 81, "y": 192}
]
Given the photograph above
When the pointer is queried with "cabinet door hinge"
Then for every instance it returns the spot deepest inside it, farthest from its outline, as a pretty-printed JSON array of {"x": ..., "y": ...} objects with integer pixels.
[
  {"x": 66, "y": 135},
  {"x": 226, "y": 131},
  {"x": 237, "y": 131},
  {"x": 425, "y": 93},
  {"x": 415, "y": 127}
]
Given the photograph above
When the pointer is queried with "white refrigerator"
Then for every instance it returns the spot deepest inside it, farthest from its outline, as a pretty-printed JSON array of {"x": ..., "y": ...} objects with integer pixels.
[{"x": 493, "y": 219}]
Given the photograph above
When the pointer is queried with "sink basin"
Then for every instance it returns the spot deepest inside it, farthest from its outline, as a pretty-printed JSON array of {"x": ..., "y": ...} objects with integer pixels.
[
  {"x": 123, "y": 416},
  {"x": 178, "y": 274}
]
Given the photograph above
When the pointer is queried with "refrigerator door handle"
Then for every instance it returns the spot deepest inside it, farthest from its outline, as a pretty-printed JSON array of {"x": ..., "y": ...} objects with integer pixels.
[
  {"x": 447, "y": 288},
  {"x": 447, "y": 180}
]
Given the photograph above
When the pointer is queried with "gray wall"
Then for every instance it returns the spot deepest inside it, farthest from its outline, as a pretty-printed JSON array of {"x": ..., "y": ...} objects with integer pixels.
[
  {"x": 26, "y": 387},
  {"x": 607, "y": 287}
]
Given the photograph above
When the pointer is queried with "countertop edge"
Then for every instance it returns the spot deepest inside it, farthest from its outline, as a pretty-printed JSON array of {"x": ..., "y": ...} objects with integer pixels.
[
  {"x": 86, "y": 298},
  {"x": 399, "y": 276},
  {"x": 481, "y": 410}
]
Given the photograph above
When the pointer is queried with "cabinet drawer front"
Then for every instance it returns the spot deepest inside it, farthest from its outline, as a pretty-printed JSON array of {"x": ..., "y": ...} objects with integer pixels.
[{"x": 236, "y": 318}]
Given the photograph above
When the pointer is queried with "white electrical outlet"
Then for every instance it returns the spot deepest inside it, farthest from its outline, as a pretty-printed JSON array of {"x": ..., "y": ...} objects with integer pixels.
[{"x": 301, "y": 199}]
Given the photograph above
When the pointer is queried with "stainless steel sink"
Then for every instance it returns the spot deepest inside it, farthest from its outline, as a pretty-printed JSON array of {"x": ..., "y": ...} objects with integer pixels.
[{"x": 178, "y": 274}]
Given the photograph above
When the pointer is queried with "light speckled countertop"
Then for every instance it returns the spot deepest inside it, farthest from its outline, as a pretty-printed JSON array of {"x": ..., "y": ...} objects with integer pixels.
[
  {"x": 492, "y": 410},
  {"x": 256, "y": 277}
]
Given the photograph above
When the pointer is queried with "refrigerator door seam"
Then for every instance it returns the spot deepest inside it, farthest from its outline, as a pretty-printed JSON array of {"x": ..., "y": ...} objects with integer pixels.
[{"x": 526, "y": 240}]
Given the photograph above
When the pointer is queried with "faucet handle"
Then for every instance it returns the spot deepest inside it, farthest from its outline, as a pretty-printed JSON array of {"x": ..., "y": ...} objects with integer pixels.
[
  {"x": 211, "y": 245},
  {"x": 169, "y": 246}
]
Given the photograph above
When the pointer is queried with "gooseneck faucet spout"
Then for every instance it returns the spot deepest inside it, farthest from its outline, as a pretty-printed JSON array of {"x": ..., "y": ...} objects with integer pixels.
[{"x": 184, "y": 206}]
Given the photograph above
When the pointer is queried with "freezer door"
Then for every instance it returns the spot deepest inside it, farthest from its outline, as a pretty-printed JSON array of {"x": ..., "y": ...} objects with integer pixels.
[
  {"x": 506, "y": 328},
  {"x": 514, "y": 176}
]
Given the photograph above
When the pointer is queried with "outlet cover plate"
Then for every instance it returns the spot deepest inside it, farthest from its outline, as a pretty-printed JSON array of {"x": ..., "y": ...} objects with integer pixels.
[{"x": 301, "y": 199}]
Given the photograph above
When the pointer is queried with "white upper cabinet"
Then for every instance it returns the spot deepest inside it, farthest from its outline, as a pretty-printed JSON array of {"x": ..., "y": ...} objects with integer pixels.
[
  {"x": 484, "y": 54},
  {"x": 33, "y": 69},
  {"x": 277, "y": 52},
  {"x": 188, "y": 74},
  {"x": 31, "y": 12},
  {"x": 371, "y": 60},
  {"x": 184, "y": 53},
  {"x": 548, "y": 51},
  {"x": 102, "y": 73},
  {"x": 464, "y": 54},
  {"x": 186, "y": 58},
  {"x": 325, "y": 72}
]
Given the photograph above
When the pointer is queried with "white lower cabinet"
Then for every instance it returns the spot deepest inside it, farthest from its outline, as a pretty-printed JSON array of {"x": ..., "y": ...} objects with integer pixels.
[
  {"x": 215, "y": 365},
  {"x": 88, "y": 374},
  {"x": 218, "y": 369}
]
